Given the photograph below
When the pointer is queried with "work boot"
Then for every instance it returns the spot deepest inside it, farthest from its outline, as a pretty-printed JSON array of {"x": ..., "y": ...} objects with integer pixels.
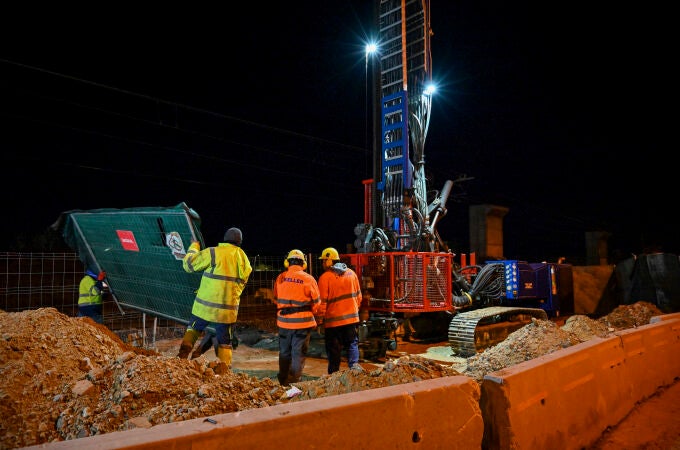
[
  {"x": 283, "y": 380},
  {"x": 205, "y": 344},
  {"x": 224, "y": 354},
  {"x": 284, "y": 369},
  {"x": 188, "y": 341}
]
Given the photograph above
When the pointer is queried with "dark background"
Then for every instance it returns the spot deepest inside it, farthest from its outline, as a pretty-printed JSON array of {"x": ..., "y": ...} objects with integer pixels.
[{"x": 255, "y": 116}]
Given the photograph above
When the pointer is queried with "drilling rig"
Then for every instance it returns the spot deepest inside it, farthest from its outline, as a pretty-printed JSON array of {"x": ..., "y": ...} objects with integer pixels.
[{"x": 407, "y": 271}]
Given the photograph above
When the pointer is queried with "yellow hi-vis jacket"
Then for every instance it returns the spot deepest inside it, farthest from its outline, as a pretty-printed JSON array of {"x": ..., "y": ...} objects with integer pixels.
[
  {"x": 297, "y": 299},
  {"x": 226, "y": 269},
  {"x": 340, "y": 296},
  {"x": 89, "y": 292}
]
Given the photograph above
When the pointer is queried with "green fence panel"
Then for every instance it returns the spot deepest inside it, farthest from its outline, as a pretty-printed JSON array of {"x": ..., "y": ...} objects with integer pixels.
[{"x": 140, "y": 250}]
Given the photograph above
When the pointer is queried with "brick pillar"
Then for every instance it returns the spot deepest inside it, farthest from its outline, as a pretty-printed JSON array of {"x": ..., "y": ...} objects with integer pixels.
[
  {"x": 486, "y": 231},
  {"x": 596, "y": 248}
]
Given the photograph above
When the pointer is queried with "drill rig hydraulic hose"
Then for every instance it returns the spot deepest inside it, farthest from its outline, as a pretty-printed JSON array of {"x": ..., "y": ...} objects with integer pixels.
[{"x": 486, "y": 289}]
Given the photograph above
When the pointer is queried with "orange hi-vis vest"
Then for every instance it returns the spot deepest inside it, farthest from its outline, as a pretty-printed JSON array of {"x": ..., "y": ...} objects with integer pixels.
[
  {"x": 340, "y": 297},
  {"x": 297, "y": 299}
]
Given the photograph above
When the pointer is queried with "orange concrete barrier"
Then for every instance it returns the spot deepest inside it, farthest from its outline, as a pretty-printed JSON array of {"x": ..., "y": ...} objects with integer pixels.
[
  {"x": 434, "y": 414},
  {"x": 564, "y": 400},
  {"x": 652, "y": 354},
  {"x": 657, "y": 319},
  {"x": 567, "y": 399}
]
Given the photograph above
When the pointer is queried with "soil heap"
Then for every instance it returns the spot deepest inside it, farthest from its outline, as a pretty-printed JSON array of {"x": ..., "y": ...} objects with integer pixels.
[{"x": 65, "y": 378}]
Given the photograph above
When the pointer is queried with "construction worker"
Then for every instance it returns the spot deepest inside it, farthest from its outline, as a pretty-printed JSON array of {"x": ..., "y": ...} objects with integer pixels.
[
  {"x": 340, "y": 292},
  {"x": 296, "y": 295},
  {"x": 90, "y": 302},
  {"x": 226, "y": 269}
]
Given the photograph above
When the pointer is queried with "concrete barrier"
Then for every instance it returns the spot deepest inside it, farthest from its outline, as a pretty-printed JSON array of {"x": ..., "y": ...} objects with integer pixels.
[
  {"x": 564, "y": 400},
  {"x": 567, "y": 399},
  {"x": 434, "y": 414},
  {"x": 657, "y": 319}
]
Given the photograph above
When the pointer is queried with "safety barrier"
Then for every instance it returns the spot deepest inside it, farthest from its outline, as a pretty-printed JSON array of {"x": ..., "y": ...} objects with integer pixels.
[
  {"x": 432, "y": 414},
  {"x": 567, "y": 399},
  {"x": 564, "y": 400}
]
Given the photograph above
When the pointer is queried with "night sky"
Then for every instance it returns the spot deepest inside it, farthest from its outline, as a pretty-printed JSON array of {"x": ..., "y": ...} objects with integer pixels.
[{"x": 256, "y": 117}]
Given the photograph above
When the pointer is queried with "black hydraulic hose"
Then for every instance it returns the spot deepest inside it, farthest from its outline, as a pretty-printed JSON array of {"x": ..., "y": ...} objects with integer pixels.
[
  {"x": 463, "y": 286},
  {"x": 489, "y": 282},
  {"x": 462, "y": 300},
  {"x": 460, "y": 281},
  {"x": 383, "y": 239},
  {"x": 487, "y": 286}
]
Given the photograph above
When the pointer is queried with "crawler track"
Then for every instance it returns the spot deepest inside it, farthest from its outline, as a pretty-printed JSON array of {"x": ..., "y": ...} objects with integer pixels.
[{"x": 473, "y": 331}]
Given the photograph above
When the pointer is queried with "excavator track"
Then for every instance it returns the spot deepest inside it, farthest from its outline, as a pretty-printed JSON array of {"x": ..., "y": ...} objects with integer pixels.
[{"x": 473, "y": 331}]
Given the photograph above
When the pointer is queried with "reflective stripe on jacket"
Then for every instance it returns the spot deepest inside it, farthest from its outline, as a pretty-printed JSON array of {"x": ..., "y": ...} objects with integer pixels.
[
  {"x": 226, "y": 269},
  {"x": 297, "y": 299},
  {"x": 340, "y": 297},
  {"x": 89, "y": 292}
]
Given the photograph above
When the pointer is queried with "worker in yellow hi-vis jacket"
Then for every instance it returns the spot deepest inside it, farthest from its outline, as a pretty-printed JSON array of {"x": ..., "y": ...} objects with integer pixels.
[
  {"x": 90, "y": 290},
  {"x": 226, "y": 269}
]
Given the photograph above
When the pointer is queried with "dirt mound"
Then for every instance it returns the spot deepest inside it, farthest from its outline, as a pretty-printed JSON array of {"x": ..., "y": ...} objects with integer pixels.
[
  {"x": 406, "y": 369},
  {"x": 537, "y": 338},
  {"x": 541, "y": 337},
  {"x": 585, "y": 328},
  {"x": 631, "y": 316},
  {"x": 66, "y": 378}
]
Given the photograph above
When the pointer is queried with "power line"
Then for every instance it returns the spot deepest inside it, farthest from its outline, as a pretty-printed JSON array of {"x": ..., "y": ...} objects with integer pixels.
[
  {"x": 324, "y": 162},
  {"x": 158, "y": 100}
]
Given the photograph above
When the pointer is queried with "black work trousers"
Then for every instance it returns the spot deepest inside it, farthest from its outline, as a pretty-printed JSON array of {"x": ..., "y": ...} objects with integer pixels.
[
  {"x": 293, "y": 347},
  {"x": 338, "y": 338}
]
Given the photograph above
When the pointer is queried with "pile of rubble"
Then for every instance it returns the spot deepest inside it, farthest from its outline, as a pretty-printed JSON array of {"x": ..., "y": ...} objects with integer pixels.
[{"x": 66, "y": 378}]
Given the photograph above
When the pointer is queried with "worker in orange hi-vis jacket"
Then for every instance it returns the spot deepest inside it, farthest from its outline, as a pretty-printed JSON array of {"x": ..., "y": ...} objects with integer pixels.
[
  {"x": 296, "y": 295},
  {"x": 340, "y": 301}
]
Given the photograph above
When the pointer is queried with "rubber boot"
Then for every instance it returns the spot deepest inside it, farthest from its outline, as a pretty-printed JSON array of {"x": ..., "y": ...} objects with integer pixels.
[
  {"x": 208, "y": 341},
  {"x": 188, "y": 341},
  {"x": 224, "y": 355}
]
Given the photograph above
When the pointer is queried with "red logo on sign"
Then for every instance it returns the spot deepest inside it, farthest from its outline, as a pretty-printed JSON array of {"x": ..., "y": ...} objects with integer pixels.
[{"x": 127, "y": 240}]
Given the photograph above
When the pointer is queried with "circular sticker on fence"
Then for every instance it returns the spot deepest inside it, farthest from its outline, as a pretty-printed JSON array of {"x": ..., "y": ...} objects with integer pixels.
[{"x": 174, "y": 242}]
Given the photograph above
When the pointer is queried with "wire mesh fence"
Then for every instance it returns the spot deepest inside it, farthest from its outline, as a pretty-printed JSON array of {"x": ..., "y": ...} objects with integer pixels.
[{"x": 51, "y": 280}]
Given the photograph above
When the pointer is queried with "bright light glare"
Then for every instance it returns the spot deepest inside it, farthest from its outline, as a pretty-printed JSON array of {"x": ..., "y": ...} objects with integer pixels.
[
  {"x": 430, "y": 89},
  {"x": 371, "y": 47}
]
